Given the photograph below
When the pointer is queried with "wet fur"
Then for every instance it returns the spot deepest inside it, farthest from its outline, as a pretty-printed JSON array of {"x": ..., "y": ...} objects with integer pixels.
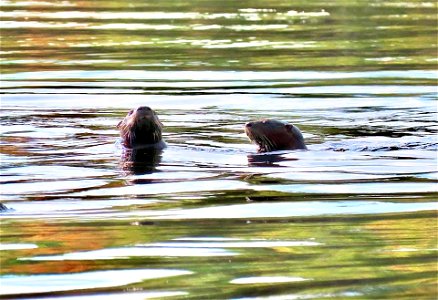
[
  {"x": 271, "y": 135},
  {"x": 141, "y": 128}
]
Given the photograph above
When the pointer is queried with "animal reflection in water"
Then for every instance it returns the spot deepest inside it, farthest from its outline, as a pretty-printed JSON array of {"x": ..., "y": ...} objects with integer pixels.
[
  {"x": 140, "y": 161},
  {"x": 268, "y": 159},
  {"x": 141, "y": 134}
]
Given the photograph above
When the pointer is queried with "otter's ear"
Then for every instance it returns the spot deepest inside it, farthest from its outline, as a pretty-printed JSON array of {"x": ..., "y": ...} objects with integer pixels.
[{"x": 289, "y": 127}]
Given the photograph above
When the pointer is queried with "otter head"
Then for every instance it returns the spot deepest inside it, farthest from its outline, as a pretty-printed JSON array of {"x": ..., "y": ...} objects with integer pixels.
[
  {"x": 272, "y": 135},
  {"x": 140, "y": 127}
]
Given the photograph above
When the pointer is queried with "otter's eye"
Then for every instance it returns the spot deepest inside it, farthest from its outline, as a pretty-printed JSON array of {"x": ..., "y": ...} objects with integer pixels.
[
  {"x": 130, "y": 112},
  {"x": 289, "y": 127}
]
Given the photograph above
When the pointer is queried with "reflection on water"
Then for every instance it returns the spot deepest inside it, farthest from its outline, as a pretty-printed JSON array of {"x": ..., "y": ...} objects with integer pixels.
[
  {"x": 140, "y": 161},
  {"x": 66, "y": 282},
  {"x": 127, "y": 295},
  {"x": 208, "y": 217},
  {"x": 65, "y": 35}
]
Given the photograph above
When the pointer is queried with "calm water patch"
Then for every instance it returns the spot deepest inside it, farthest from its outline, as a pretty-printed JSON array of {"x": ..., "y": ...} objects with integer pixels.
[{"x": 51, "y": 283}]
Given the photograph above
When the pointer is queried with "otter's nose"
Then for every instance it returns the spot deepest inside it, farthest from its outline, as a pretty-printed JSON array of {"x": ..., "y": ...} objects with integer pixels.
[{"x": 249, "y": 124}]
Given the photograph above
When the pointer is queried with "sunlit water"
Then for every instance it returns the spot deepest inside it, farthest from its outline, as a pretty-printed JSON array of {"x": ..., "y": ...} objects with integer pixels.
[{"x": 209, "y": 218}]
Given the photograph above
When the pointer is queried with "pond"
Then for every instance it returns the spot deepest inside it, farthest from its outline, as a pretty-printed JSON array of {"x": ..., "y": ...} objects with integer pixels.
[{"x": 354, "y": 217}]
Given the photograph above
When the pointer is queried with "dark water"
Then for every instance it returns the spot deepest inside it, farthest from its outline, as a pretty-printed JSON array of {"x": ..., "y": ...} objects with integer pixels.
[{"x": 208, "y": 218}]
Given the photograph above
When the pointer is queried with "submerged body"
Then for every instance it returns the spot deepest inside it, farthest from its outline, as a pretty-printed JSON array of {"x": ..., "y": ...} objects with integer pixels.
[
  {"x": 141, "y": 128},
  {"x": 271, "y": 135}
]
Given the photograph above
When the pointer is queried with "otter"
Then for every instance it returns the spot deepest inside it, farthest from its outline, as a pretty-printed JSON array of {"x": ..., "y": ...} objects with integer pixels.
[
  {"x": 3, "y": 207},
  {"x": 271, "y": 135},
  {"x": 141, "y": 128}
]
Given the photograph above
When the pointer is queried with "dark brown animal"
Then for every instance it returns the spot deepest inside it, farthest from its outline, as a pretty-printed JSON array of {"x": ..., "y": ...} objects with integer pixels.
[
  {"x": 141, "y": 128},
  {"x": 271, "y": 135}
]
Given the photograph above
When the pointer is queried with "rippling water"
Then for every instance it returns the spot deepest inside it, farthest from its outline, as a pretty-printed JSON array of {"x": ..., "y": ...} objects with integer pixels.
[{"x": 209, "y": 218}]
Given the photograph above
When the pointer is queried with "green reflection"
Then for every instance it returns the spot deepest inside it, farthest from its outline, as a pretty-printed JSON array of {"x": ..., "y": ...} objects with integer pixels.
[
  {"x": 374, "y": 256},
  {"x": 205, "y": 35}
]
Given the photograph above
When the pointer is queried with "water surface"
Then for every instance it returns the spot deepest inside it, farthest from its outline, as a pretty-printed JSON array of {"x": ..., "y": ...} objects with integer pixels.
[{"x": 209, "y": 218}]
